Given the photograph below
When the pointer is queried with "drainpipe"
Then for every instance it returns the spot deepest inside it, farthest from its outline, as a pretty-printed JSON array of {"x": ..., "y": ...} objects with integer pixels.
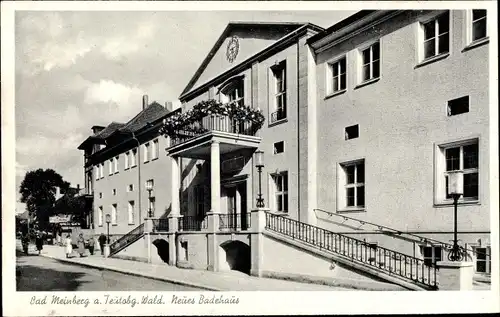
[{"x": 138, "y": 174}]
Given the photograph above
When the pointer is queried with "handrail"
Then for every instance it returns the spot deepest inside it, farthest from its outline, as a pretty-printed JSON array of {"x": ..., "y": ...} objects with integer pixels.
[
  {"x": 390, "y": 261},
  {"x": 126, "y": 239},
  {"x": 192, "y": 223},
  {"x": 235, "y": 221},
  {"x": 399, "y": 232},
  {"x": 160, "y": 225}
]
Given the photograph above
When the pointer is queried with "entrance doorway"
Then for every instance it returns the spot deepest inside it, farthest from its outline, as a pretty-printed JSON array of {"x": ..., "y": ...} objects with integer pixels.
[{"x": 237, "y": 213}]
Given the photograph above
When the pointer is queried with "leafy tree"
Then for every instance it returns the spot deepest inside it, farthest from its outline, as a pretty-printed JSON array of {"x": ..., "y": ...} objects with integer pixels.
[
  {"x": 70, "y": 204},
  {"x": 38, "y": 190}
]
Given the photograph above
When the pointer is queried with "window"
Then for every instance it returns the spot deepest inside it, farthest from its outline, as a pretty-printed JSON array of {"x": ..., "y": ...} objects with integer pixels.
[
  {"x": 279, "y": 147},
  {"x": 352, "y": 185},
  {"x": 155, "y": 150},
  {"x": 458, "y": 106},
  {"x": 126, "y": 159},
  {"x": 279, "y": 74},
  {"x": 339, "y": 76},
  {"x": 130, "y": 188},
  {"x": 100, "y": 195},
  {"x": 199, "y": 196},
  {"x": 113, "y": 214},
  {"x": 133, "y": 158},
  {"x": 352, "y": 132},
  {"x": 483, "y": 260},
  {"x": 100, "y": 216},
  {"x": 101, "y": 170},
  {"x": 436, "y": 36},
  {"x": 234, "y": 94},
  {"x": 114, "y": 191},
  {"x": 431, "y": 254},
  {"x": 280, "y": 188},
  {"x": 370, "y": 62},
  {"x": 463, "y": 158},
  {"x": 146, "y": 152},
  {"x": 97, "y": 174},
  {"x": 479, "y": 26},
  {"x": 131, "y": 212},
  {"x": 110, "y": 165},
  {"x": 116, "y": 164}
]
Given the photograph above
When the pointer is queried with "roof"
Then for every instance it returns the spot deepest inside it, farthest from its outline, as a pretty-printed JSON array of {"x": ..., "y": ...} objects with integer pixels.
[
  {"x": 238, "y": 25},
  {"x": 152, "y": 113},
  {"x": 112, "y": 127}
]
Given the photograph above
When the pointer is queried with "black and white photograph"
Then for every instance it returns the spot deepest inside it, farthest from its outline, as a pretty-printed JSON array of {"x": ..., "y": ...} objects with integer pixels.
[{"x": 194, "y": 154}]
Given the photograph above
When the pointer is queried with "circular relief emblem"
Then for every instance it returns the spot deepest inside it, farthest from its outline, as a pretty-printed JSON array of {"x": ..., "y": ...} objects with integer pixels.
[{"x": 233, "y": 47}]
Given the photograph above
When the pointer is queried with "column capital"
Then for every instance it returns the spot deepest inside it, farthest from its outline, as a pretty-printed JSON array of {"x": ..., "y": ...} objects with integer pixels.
[{"x": 214, "y": 142}]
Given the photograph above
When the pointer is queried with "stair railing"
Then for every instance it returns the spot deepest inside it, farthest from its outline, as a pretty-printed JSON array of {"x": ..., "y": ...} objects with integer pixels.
[
  {"x": 356, "y": 250},
  {"x": 393, "y": 231},
  {"x": 126, "y": 239}
]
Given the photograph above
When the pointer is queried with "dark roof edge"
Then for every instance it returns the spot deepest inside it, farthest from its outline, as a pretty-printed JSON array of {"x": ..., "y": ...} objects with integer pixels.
[{"x": 276, "y": 45}]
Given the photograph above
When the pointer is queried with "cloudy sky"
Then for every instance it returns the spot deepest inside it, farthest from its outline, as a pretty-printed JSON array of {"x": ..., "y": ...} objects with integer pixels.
[{"x": 78, "y": 69}]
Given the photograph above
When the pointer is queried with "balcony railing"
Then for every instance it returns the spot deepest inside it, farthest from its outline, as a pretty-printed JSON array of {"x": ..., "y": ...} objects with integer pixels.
[
  {"x": 213, "y": 122},
  {"x": 192, "y": 223},
  {"x": 160, "y": 225},
  {"x": 235, "y": 221}
]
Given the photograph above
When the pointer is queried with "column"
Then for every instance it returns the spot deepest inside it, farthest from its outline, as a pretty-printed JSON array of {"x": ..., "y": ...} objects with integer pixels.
[
  {"x": 175, "y": 176},
  {"x": 215, "y": 177},
  {"x": 174, "y": 211},
  {"x": 256, "y": 241}
]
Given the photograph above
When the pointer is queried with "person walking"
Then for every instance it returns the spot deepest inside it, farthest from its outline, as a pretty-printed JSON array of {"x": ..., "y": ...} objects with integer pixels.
[
  {"x": 91, "y": 245},
  {"x": 69, "y": 246},
  {"x": 39, "y": 242},
  {"x": 102, "y": 242},
  {"x": 81, "y": 245}
]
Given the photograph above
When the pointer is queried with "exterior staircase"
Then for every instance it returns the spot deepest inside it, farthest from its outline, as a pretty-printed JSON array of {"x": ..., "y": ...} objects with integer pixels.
[
  {"x": 374, "y": 260},
  {"x": 126, "y": 240}
]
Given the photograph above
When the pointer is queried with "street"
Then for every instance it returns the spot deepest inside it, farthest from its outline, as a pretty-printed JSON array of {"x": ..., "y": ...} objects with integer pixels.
[{"x": 37, "y": 273}]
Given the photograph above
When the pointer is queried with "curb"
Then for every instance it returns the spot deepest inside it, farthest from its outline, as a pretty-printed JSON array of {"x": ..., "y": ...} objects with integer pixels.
[{"x": 123, "y": 271}]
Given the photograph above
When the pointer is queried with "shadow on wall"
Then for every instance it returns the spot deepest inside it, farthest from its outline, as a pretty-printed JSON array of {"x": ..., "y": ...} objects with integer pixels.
[
  {"x": 235, "y": 255},
  {"x": 162, "y": 249}
]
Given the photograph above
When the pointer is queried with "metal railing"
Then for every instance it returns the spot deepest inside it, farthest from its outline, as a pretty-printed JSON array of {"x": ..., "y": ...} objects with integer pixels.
[
  {"x": 160, "y": 225},
  {"x": 213, "y": 122},
  {"x": 389, "y": 261},
  {"x": 126, "y": 240},
  {"x": 235, "y": 221},
  {"x": 395, "y": 233},
  {"x": 278, "y": 115},
  {"x": 192, "y": 223}
]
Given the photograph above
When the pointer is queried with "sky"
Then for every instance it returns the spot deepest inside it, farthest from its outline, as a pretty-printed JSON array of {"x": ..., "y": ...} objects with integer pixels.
[{"x": 76, "y": 69}]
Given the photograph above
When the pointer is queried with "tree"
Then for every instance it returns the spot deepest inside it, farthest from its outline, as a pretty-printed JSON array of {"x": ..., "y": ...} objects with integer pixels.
[
  {"x": 38, "y": 190},
  {"x": 71, "y": 204}
]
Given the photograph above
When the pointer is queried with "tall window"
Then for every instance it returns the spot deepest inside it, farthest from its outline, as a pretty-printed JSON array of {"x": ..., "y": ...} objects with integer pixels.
[
  {"x": 199, "y": 195},
  {"x": 370, "y": 62},
  {"x": 280, "y": 182},
  {"x": 131, "y": 206},
  {"x": 464, "y": 158},
  {"x": 339, "y": 75},
  {"x": 110, "y": 165},
  {"x": 146, "y": 152},
  {"x": 100, "y": 216},
  {"x": 352, "y": 187},
  {"x": 479, "y": 26},
  {"x": 279, "y": 74},
  {"x": 127, "y": 154},
  {"x": 234, "y": 94},
  {"x": 483, "y": 260},
  {"x": 113, "y": 214},
  {"x": 116, "y": 164},
  {"x": 432, "y": 254},
  {"x": 436, "y": 36},
  {"x": 133, "y": 158},
  {"x": 155, "y": 150}
]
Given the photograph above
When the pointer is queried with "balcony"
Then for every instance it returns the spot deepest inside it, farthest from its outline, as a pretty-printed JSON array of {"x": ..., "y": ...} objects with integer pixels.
[{"x": 234, "y": 126}]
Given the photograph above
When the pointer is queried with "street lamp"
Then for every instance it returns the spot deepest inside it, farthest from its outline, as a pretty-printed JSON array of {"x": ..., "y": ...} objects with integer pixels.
[
  {"x": 108, "y": 221},
  {"x": 455, "y": 190},
  {"x": 259, "y": 163},
  {"x": 149, "y": 188}
]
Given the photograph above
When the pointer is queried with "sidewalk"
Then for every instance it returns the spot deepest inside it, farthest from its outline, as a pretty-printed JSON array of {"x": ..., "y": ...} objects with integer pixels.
[{"x": 205, "y": 280}]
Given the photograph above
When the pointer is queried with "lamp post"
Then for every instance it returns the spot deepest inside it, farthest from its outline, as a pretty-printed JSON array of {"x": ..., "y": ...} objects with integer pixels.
[
  {"x": 108, "y": 221},
  {"x": 259, "y": 163},
  {"x": 455, "y": 190},
  {"x": 149, "y": 188}
]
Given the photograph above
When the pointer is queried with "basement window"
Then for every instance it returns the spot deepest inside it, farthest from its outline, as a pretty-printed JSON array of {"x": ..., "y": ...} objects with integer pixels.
[
  {"x": 352, "y": 132},
  {"x": 458, "y": 106}
]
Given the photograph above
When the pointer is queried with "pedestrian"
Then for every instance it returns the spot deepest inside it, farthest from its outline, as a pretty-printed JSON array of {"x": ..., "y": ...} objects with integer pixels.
[
  {"x": 81, "y": 245},
  {"x": 102, "y": 242},
  {"x": 91, "y": 245},
  {"x": 69, "y": 246},
  {"x": 39, "y": 242}
]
